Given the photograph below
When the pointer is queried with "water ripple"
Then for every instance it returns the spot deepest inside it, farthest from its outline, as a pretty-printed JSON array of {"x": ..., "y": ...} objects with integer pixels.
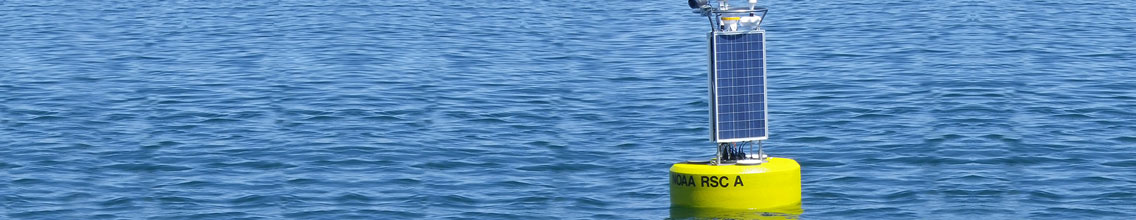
[{"x": 553, "y": 109}]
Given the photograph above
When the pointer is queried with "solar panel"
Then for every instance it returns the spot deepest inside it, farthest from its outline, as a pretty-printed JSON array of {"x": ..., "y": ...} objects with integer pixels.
[{"x": 737, "y": 82}]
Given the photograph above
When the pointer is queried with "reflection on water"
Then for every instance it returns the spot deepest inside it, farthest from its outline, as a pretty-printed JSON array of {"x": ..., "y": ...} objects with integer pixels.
[{"x": 680, "y": 212}]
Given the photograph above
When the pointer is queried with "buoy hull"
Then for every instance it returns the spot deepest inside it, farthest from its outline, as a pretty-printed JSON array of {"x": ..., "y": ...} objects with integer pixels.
[{"x": 771, "y": 186}]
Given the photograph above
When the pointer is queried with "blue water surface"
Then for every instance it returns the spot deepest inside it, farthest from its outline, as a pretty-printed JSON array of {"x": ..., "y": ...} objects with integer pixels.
[{"x": 554, "y": 109}]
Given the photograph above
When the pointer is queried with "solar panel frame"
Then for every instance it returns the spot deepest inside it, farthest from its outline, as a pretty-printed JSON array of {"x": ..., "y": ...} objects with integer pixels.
[{"x": 715, "y": 71}]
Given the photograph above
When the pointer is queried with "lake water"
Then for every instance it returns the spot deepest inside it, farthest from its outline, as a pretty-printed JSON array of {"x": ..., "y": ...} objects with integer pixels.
[{"x": 554, "y": 109}]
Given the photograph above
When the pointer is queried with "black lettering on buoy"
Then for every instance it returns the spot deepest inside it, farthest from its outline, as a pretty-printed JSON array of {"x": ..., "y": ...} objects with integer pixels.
[
  {"x": 714, "y": 181},
  {"x": 682, "y": 180},
  {"x": 722, "y": 180},
  {"x": 738, "y": 181},
  {"x": 705, "y": 180}
]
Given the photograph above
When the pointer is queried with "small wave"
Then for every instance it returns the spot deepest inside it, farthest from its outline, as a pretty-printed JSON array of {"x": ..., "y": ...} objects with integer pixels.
[{"x": 145, "y": 167}]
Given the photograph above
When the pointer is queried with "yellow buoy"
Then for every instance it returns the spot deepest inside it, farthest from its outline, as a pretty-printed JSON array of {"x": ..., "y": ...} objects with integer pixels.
[
  {"x": 736, "y": 183},
  {"x": 774, "y": 186}
]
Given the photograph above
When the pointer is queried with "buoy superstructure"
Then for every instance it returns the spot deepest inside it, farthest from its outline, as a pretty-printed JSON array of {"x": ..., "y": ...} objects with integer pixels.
[{"x": 737, "y": 177}]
